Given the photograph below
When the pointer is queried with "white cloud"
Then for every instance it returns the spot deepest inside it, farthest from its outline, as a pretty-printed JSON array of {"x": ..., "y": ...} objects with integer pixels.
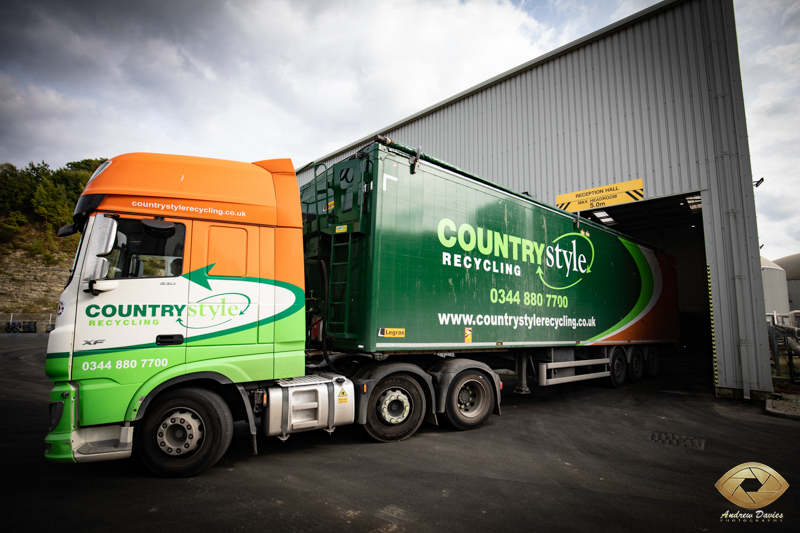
[
  {"x": 260, "y": 79},
  {"x": 257, "y": 79},
  {"x": 351, "y": 71},
  {"x": 770, "y": 63},
  {"x": 629, "y": 7}
]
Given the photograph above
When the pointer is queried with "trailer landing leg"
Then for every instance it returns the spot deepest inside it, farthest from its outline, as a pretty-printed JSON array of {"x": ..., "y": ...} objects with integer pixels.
[{"x": 522, "y": 374}]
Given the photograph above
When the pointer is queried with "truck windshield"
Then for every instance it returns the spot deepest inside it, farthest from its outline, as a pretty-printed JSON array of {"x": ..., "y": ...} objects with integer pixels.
[{"x": 142, "y": 252}]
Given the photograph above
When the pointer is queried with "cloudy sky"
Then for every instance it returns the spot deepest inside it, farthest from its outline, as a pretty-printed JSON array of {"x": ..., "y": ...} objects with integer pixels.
[{"x": 258, "y": 79}]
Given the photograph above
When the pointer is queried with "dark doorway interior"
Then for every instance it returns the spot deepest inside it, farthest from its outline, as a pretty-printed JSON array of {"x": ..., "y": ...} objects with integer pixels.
[{"x": 675, "y": 225}]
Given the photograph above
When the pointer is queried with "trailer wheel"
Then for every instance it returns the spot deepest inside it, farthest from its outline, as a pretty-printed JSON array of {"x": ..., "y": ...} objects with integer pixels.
[
  {"x": 396, "y": 408},
  {"x": 618, "y": 367},
  {"x": 184, "y": 432},
  {"x": 651, "y": 362},
  {"x": 636, "y": 366},
  {"x": 470, "y": 400}
]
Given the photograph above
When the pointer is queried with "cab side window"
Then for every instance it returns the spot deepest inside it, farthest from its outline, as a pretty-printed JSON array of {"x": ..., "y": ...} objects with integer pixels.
[{"x": 143, "y": 252}]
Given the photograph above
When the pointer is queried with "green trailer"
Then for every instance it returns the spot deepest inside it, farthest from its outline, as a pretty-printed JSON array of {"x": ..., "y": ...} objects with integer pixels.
[{"x": 406, "y": 254}]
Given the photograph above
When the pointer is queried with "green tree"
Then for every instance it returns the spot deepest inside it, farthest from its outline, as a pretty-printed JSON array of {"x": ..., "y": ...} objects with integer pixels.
[
  {"x": 88, "y": 165},
  {"x": 38, "y": 190},
  {"x": 74, "y": 177},
  {"x": 50, "y": 202},
  {"x": 73, "y": 182},
  {"x": 19, "y": 186},
  {"x": 10, "y": 227}
]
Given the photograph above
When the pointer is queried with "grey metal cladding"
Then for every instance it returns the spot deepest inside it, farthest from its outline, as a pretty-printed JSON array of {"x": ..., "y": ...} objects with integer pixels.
[
  {"x": 632, "y": 103},
  {"x": 656, "y": 96}
]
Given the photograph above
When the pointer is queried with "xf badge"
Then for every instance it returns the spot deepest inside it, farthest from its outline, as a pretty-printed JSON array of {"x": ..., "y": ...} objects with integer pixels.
[{"x": 93, "y": 342}]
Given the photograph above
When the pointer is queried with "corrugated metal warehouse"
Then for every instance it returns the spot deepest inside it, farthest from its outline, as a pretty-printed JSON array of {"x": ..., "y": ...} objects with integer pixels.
[{"x": 655, "y": 97}]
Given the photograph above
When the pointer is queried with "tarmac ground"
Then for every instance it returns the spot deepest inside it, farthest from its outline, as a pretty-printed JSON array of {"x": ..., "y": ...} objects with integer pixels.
[{"x": 576, "y": 457}]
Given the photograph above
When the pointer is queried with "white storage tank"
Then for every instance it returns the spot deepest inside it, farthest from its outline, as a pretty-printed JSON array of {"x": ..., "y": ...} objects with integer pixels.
[
  {"x": 791, "y": 264},
  {"x": 776, "y": 292}
]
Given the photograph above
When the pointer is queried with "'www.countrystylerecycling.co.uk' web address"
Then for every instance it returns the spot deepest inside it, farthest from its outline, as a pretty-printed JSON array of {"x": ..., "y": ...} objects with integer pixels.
[{"x": 515, "y": 321}]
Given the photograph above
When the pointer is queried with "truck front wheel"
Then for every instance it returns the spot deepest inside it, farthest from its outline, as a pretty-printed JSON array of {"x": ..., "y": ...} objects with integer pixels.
[
  {"x": 470, "y": 400},
  {"x": 184, "y": 432},
  {"x": 396, "y": 408}
]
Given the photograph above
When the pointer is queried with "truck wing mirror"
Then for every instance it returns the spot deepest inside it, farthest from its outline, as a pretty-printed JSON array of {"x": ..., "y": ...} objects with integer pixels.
[
  {"x": 101, "y": 242},
  {"x": 66, "y": 231},
  {"x": 105, "y": 230}
]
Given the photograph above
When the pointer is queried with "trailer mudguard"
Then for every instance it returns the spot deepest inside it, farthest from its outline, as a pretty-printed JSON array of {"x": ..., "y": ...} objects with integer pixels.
[
  {"x": 367, "y": 377},
  {"x": 445, "y": 372}
]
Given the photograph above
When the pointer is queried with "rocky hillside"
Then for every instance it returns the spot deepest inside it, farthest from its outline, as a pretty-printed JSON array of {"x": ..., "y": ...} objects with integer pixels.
[
  {"x": 33, "y": 269},
  {"x": 34, "y": 262}
]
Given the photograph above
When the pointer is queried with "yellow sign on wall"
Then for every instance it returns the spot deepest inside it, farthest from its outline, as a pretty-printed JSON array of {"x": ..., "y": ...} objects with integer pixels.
[{"x": 614, "y": 194}]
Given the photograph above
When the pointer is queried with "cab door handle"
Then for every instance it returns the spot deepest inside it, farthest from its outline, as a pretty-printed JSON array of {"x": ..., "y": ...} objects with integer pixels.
[{"x": 169, "y": 340}]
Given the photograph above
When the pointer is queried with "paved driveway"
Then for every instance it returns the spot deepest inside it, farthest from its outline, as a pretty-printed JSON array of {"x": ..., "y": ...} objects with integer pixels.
[{"x": 577, "y": 457}]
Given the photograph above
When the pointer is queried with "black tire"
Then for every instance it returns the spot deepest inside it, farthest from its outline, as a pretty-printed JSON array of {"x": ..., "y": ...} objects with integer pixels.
[
  {"x": 396, "y": 408},
  {"x": 636, "y": 366},
  {"x": 652, "y": 362},
  {"x": 195, "y": 421},
  {"x": 618, "y": 366},
  {"x": 470, "y": 400}
]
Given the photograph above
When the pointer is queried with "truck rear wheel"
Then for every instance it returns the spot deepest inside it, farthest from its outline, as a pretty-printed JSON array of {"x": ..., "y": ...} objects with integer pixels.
[
  {"x": 651, "y": 362},
  {"x": 396, "y": 408},
  {"x": 618, "y": 366},
  {"x": 636, "y": 366},
  {"x": 470, "y": 400},
  {"x": 184, "y": 432}
]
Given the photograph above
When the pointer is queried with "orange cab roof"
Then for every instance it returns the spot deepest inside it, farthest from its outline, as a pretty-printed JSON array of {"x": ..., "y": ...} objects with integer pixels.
[{"x": 265, "y": 187}]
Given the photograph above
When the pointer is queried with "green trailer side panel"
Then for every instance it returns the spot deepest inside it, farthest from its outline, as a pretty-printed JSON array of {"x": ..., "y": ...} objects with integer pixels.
[
  {"x": 445, "y": 262},
  {"x": 462, "y": 262},
  {"x": 645, "y": 294}
]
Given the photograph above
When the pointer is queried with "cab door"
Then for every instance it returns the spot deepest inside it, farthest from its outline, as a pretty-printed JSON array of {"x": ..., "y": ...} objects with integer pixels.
[
  {"x": 225, "y": 300},
  {"x": 131, "y": 319}
]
